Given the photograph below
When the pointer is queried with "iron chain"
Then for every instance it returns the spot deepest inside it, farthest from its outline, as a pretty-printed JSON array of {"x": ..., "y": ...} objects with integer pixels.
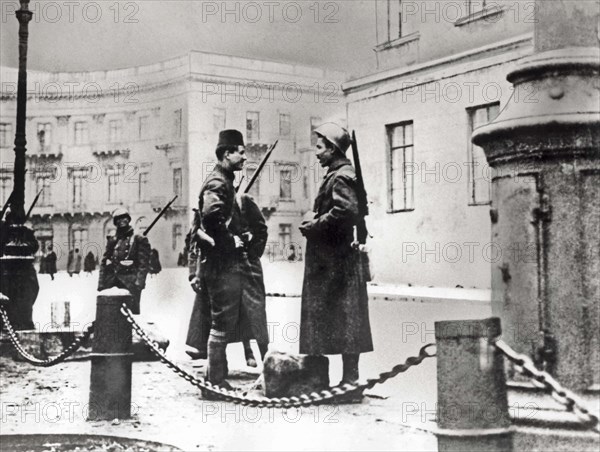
[
  {"x": 70, "y": 350},
  {"x": 544, "y": 380},
  {"x": 280, "y": 402}
]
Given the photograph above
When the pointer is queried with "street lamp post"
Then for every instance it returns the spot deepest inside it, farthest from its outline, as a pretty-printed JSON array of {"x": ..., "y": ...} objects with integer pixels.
[
  {"x": 17, "y": 205},
  {"x": 19, "y": 280}
]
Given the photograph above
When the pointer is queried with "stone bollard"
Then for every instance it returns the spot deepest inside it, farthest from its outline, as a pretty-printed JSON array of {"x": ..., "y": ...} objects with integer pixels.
[
  {"x": 472, "y": 400},
  {"x": 110, "y": 379}
]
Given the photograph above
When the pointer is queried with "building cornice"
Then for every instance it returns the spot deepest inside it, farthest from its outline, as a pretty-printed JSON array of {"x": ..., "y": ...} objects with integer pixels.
[
  {"x": 370, "y": 81},
  {"x": 195, "y": 66}
]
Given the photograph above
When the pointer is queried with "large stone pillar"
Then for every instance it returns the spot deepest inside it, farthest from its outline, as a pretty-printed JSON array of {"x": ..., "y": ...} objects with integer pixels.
[{"x": 544, "y": 152}]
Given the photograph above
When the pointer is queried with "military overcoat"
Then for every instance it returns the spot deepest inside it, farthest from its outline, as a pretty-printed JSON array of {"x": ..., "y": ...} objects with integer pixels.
[{"x": 335, "y": 312}]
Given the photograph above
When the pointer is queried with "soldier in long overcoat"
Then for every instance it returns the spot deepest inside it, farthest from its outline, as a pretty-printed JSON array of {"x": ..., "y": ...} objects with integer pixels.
[
  {"x": 125, "y": 262},
  {"x": 225, "y": 264},
  {"x": 334, "y": 313}
]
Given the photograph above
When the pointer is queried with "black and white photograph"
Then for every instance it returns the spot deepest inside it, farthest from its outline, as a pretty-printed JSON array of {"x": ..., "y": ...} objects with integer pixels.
[{"x": 347, "y": 225}]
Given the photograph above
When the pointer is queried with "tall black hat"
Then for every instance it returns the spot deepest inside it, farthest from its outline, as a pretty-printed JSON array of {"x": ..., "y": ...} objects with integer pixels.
[{"x": 230, "y": 137}]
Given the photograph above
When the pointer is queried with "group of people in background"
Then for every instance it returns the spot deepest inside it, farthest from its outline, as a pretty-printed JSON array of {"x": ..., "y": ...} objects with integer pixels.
[{"x": 75, "y": 262}]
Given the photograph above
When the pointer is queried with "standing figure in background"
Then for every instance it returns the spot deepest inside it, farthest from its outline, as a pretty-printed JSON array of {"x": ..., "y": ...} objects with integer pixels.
[
  {"x": 126, "y": 260},
  {"x": 42, "y": 269},
  {"x": 155, "y": 267},
  {"x": 335, "y": 312},
  {"x": 89, "y": 263},
  {"x": 77, "y": 260},
  {"x": 71, "y": 263},
  {"x": 51, "y": 262}
]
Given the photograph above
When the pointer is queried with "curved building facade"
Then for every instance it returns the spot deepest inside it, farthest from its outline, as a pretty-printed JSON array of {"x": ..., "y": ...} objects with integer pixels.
[{"x": 137, "y": 137}]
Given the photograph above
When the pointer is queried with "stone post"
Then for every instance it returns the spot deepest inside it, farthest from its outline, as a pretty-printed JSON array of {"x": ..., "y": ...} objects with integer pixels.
[
  {"x": 544, "y": 150},
  {"x": 110, "y": 379},
  {"x": 472, "y": 402}
]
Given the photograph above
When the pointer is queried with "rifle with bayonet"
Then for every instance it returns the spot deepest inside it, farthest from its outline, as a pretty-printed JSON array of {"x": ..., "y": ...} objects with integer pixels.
[
  {"x": 260, "y": 167},
  {"x": 162, "y": 212},
  {"x": 35, "y": 200},
  {"x": 361, "y": 193},
  {"x": 7, "y": 204},
  {"x": 363, "y": 211}
]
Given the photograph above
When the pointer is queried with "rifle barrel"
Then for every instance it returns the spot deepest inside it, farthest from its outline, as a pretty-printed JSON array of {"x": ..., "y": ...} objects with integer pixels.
[
  {"x": 35, "y": 200},
  {"x": 162, "y": 212},
  {"x": 260, "y": 167}
]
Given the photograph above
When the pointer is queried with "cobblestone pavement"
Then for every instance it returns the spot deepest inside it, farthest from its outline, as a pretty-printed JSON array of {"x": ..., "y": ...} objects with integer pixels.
[{"x": 394, "y": 416}]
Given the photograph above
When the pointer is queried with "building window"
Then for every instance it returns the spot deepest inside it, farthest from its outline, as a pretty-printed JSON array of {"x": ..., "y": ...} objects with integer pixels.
[
  {"x": 177, "y": 182},
  {"x": 82, "y": 133},
  {"x": 285, "y": 235},
  {"x": 314, "y": 123},
  {"x": 475, "y": 6},
  {"x": 252, "y": 127},
  {"x": 177, "y": 234},
  {"x": 143, "y": 178},
  {"x": 285, "y": 125},
  {"x": 115, "y": 130},
  {"x": 285, "y": 184},
  {"x": 44, "y": 134},
  {"x": 219, "y": 118},
  {"x": 112, "y": 176},
  {"x": 6, "y": 134},
  {"x": 479, "y": 177},
  {"x": 77, "y": 178},
  {"x": 5, "y": 186},
  {"x": 43, "y": 182},
  {"x": 178, "y": 123},
  {"x": 400, "y": 161},
  {"x": 144, "y": 127}
]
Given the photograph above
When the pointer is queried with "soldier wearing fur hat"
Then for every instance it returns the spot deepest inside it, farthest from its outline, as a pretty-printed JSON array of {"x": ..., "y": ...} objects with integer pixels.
[
  {"x": 126, "y": 260},
  {"x": 334, "y": 313},
  {"x": 225, "y": 263}
]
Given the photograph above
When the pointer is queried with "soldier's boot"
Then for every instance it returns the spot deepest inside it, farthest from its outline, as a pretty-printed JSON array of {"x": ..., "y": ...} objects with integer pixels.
[
  {"x": 264, "y": 349},
  {"x": 216, "y": 371},
  {"x": 350, "y": 376},
  {"x": 249, "y": 354}
]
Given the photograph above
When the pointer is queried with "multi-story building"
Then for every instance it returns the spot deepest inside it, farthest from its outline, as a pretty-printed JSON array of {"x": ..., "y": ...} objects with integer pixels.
[
  {"x": 441, "y": 73},
  {"x": 139, "y": 136}
]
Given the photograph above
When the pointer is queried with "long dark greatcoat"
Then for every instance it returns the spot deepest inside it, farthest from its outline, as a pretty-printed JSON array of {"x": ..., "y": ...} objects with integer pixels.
[
  {"x": 125, "y": 264},
  {"x": 335, "y": 312}
]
